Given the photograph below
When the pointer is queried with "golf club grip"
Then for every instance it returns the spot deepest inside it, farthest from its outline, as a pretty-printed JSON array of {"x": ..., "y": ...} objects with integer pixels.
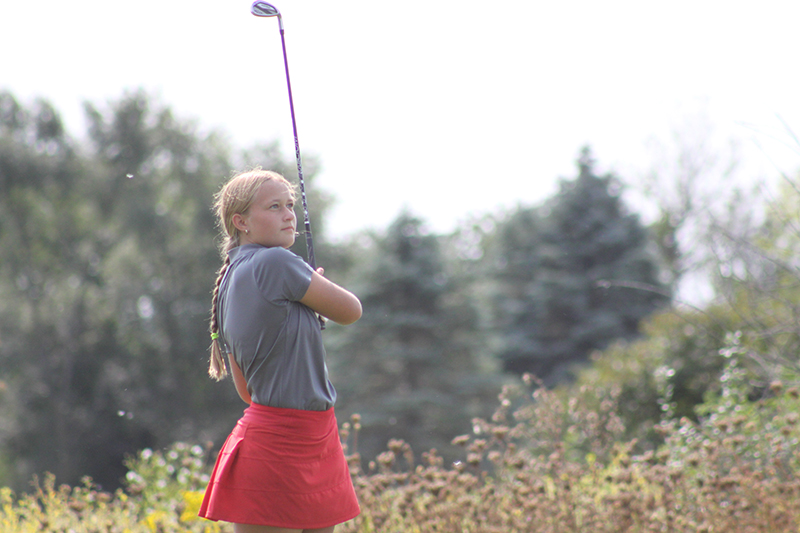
[{"x": 310, "y": 247}]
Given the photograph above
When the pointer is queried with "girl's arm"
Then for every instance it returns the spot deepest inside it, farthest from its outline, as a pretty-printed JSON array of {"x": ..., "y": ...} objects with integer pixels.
[
  {"x": 238, "y": 380},
  {"x": 331, "y": 301}
]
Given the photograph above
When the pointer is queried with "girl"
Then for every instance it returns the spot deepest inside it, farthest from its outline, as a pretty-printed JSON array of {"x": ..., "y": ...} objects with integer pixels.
[{"x": 282, "y": 469}]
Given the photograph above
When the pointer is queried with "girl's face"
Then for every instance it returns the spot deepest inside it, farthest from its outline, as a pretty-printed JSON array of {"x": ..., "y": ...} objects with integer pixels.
[{"x": 270, "y": 221}]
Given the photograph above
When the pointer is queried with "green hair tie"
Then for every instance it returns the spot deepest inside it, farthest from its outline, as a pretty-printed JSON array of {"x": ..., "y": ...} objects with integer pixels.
[{"x": 214, "y": 336}]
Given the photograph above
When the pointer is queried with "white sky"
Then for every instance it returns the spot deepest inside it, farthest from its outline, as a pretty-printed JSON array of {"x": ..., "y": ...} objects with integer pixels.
[{"x": 446, "y": 107}]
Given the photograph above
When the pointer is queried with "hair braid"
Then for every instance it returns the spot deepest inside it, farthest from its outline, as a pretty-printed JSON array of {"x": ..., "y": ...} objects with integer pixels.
[
  {"x": 216, "y": 366},
  {"x": 235, "y": 197}
]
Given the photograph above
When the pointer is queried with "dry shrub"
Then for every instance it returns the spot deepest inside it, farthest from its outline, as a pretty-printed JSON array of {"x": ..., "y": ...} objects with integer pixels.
[
  {"x": 543, "y": 463},
  {"x": 546, "y": 464}
]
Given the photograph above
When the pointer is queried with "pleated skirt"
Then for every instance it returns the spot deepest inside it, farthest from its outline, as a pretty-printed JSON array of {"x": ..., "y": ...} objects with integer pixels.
[{"x": 284, "y": 468}]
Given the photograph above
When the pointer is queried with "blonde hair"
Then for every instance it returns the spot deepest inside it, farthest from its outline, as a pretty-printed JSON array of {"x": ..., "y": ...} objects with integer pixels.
[{"x": 235, "y": 197}]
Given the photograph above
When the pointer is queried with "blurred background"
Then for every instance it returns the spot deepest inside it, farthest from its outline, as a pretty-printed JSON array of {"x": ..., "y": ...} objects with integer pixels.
[{"x": 508, "y": 190}]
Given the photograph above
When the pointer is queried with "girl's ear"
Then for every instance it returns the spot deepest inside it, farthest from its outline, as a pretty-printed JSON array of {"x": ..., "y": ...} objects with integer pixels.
[{"x": 239, "y": 222}]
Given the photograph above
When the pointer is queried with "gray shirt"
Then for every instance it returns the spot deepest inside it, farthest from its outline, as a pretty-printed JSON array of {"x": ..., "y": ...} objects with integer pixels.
[{"x": 275, "y": 339}]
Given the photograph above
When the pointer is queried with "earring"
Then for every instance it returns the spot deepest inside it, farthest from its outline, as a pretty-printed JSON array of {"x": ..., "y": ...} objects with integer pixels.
[{"x": 247, "y": 232}]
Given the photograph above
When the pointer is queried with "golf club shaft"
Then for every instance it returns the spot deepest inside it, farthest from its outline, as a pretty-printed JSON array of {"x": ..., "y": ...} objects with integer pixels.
[{"x": 309, "y": 242}]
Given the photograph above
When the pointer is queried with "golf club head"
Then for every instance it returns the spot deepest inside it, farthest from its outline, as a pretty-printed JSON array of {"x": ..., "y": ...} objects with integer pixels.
[{"x": 264, "y": 9}]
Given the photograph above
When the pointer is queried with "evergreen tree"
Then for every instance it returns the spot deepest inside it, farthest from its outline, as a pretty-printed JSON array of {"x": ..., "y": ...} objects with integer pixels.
[
  {"x": 409, "y": 366},
  {"x": 572, "y": 276}
]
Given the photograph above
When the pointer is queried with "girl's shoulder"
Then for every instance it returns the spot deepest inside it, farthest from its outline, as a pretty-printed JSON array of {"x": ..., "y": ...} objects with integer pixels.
[
  {"x": 275, "y": 255},
  {"x": 277, "y": 259},
  {"x": 280, "y": 271}
]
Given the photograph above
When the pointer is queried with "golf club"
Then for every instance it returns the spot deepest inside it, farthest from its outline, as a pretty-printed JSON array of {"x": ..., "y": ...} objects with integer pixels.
[{"x": 264, "y": 9}]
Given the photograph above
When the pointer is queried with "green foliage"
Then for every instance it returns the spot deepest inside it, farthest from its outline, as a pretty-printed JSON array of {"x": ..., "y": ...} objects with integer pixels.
[
  {"x": 758, "y": 280},
  {"x": 165, "y": 489},
  {"x": 572, "y": 276},
  {"x": 50, "y": 289},
  {"x": 753, "y": 321},
  {"x": 109, "y": 260},
  {"x": 668, "y": 372},
  {"x": 411, "y": 366},
  {"x": 736, "y": 435},
  {"x": 80, "y": 509}
]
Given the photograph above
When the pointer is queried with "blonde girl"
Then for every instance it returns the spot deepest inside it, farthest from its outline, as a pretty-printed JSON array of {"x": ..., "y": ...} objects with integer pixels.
[{"x": 282, "y": 468}]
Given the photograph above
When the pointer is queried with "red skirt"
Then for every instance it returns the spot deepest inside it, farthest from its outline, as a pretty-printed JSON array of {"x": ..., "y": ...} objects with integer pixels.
[{"x": 284, "y": 468}]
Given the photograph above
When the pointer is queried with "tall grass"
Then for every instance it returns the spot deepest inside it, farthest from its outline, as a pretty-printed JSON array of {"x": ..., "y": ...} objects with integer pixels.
[{"x": 542, "y": 463}]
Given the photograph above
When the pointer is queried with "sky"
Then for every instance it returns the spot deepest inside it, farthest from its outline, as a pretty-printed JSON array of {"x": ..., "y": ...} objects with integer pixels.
[{"x": 450, "y": 109}]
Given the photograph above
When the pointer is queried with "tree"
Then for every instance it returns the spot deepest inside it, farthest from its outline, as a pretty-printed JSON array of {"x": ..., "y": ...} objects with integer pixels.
[
  {"x": 108, "y": 265},
  {"x": 50, "y": 287},
  {"x": 696, "y": 186},
  {"x": 571, "y": 276},
  {"x": 410, "y": 366},
  {"x": 751, "y": 325}
]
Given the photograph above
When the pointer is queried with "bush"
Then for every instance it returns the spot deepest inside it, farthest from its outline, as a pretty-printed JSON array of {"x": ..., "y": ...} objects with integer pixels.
[
  {"x": 552, "y": 466},
  {"x": 544, "y": 462},
  {"x": 164, "y": 491}
]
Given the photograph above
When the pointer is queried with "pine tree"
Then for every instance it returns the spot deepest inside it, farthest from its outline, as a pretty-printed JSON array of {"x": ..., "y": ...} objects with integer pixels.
[
  {"x": 575, "y": 276},
  {"x": 409, "y": 365}
]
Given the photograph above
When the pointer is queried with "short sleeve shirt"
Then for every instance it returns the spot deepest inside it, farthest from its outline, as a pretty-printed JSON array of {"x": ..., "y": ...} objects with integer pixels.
[{"x": 275, "y": 339}]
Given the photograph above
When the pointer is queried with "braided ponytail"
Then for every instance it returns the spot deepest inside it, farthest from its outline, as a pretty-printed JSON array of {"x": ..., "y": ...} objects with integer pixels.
[
  {"x": 216, "y": 367},
  {"x": 235, "y": 197}
]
